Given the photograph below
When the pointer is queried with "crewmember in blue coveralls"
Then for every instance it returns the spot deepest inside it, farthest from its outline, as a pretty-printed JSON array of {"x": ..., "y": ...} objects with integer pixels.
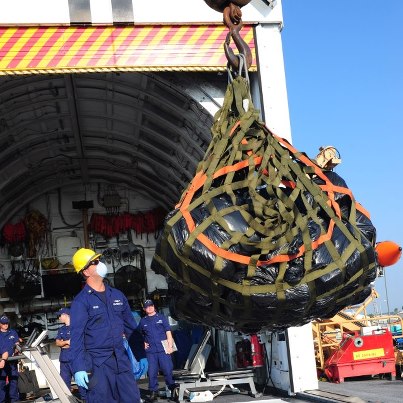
[
  {"x": 100, "y": 317},
  {"x": 63, "y": 341},
  {"x": 8, "y": 369},
  {"x": 155, "y": 329}
]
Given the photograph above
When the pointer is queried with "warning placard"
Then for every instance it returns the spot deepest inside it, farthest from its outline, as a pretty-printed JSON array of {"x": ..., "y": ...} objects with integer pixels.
[{"x": 365, "y": 354}]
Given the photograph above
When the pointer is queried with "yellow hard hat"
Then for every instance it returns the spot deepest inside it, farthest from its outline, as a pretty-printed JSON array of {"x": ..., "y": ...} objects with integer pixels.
[{"x": 82, "y": 257}]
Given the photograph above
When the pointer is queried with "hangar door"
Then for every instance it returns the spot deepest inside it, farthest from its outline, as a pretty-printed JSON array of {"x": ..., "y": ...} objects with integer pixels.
[
  {"x": 72, "y": 112},
  {"x": 90, "y": 112}
]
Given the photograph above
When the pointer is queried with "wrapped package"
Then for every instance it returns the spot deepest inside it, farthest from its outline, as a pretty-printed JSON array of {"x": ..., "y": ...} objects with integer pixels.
[{"x": 262, "y": 237}]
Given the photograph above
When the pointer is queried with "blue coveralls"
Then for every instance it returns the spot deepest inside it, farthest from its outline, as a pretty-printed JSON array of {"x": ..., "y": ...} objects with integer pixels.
[
  {"x": 154, "y": 330},
  {"x": 8, "y": 340},
  {"x": 66, "y": 370},
  {"x": 96, "y": 345}
]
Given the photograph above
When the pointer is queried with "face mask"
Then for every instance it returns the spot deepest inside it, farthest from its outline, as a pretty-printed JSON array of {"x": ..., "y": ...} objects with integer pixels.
[{"x": 102, "y": 269}]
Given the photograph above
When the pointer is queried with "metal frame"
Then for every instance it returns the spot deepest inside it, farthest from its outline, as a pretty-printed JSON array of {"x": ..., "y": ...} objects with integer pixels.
[
  {"x": 190, "y": 379},
  {"x": 35, "y": 352},
  {"x": 218, "y": 379}
]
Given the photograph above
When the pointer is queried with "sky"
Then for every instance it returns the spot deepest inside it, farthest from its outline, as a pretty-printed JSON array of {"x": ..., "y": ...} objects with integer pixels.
[{"x": 344, "y": 73}]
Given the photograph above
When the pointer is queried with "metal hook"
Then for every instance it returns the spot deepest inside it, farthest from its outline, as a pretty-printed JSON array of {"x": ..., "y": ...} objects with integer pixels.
[{"x": 231, "y": 14}]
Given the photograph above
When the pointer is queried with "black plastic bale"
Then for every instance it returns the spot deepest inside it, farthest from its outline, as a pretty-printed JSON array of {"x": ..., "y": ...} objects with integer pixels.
[{"x": 262, "y": 237}]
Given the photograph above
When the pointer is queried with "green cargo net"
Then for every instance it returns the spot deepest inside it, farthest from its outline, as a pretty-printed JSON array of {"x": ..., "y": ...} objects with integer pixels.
[{"x": 262, "y": 237}]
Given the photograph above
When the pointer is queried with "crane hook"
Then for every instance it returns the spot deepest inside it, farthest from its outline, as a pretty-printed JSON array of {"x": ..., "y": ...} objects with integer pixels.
[{"x": 233, "y": 20}]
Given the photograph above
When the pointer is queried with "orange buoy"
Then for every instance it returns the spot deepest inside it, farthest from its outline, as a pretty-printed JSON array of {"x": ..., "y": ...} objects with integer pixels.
[{"x": 388, "y": 253}]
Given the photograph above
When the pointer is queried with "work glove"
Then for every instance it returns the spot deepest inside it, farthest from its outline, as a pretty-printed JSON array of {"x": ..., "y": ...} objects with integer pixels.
[
  {"x": 143, "y": 368},
  {"x": 81, "y": 378}
]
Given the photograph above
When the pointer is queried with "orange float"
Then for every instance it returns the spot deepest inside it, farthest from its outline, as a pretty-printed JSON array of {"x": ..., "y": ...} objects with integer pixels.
[{"x": 388, "y": 253}]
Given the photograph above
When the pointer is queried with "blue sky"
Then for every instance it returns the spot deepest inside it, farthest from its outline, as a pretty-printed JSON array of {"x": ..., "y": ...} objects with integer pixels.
[{"x": 344, "y": 71}]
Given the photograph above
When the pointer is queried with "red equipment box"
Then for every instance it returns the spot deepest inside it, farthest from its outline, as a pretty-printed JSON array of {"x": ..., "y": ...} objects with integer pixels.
[{"x": 362, "y": 355}]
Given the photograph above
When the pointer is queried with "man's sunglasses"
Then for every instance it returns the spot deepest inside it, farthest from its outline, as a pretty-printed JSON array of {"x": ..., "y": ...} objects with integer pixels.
[{"x": 91, "y": 263}]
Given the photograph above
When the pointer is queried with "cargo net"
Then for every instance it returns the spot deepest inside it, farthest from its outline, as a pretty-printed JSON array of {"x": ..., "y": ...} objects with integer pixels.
[{"x": 263, "y": 238}]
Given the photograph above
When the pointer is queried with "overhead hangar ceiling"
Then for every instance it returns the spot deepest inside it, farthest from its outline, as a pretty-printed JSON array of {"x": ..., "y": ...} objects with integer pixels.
[{"x": 133, "y": 129}]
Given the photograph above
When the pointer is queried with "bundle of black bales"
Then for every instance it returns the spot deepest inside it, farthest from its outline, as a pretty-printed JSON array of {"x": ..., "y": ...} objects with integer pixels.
[{"x": 263, "y": 237}]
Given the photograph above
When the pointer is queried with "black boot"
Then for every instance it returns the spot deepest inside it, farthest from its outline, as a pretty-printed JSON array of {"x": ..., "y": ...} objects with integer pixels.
[
  {"x": 153, "y": 396},
  {"x": 174, "y": 394}
]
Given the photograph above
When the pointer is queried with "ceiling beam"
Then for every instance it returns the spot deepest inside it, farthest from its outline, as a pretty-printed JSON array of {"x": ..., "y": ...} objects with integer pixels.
[{"x": 75, "y": 126}]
